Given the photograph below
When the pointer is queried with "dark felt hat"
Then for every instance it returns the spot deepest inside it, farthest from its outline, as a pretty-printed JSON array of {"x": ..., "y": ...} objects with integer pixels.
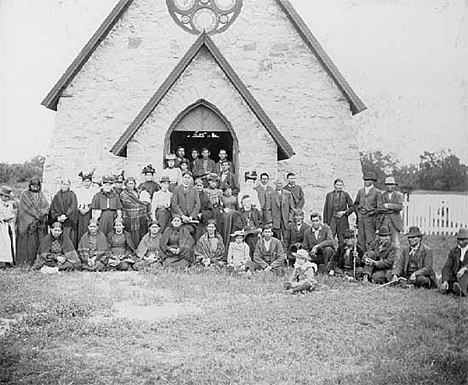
[
  {"x": 462, "y": 234},
  {"x": 108, "y": 179},
  {"x": 5, "y": 191},
  {"x": 369, "y": 175},
  {"x": 413, "y": 232},
  {"x": 148, "y": 169},
  {"x": 383, "y": 231},
  {"x": 164, "y": 178}
]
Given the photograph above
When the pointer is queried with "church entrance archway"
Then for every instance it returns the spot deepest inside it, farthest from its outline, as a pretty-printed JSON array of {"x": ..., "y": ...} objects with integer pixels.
[{"x": 202, "y": 125}]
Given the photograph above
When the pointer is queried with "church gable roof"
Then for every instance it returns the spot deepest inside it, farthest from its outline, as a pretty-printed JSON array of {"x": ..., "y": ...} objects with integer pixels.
[
  {"x": 51, "y": 100},
  {"x": 285, "y": 150}
]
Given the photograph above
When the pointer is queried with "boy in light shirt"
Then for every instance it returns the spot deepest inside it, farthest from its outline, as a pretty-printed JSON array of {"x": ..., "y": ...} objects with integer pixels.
[{"x": 303, "y": 275}]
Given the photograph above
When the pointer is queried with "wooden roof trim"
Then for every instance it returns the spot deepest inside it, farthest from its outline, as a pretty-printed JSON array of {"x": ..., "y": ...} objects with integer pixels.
[
  {"x": 355, "y": 102},
  {"x": 203, "y": 40},
  {"x": 52, "y": 98}
]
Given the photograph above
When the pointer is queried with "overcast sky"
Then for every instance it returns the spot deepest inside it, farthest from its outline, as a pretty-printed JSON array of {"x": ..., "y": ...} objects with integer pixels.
[{"x": 406, "y": 59}]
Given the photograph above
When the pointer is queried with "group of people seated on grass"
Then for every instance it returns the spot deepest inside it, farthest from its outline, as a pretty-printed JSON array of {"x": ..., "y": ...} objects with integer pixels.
[{"x": 197, "y": 215}]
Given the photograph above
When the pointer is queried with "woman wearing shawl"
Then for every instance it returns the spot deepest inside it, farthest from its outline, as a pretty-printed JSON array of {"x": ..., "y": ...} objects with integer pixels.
[
  {"x": 210, "y": 247},
  {"x": 148, "y": 249},
  {"x": 122, "y": 249},
  {"x": 134, "y": 211},
  {"x": 161, "y": 204},
  {"x": 7, "y": 232},
  {"x": 31, "y": 222},
  {"x": 176, "y": 245},
  {"x": 93, "y": 248},
  {"x": 84, "y": 195},
  {"x": 56, "y": 252},
  {"x": 64, "y": 209},
  {"x": 106, "y": 206}
]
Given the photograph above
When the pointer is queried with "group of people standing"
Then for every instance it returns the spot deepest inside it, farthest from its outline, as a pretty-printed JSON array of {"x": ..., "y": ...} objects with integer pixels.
[{"x": 195, "y": 213}]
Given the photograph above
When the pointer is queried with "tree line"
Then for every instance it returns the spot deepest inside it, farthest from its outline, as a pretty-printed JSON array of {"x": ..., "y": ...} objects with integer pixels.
[{"x": 437, "y": 171}]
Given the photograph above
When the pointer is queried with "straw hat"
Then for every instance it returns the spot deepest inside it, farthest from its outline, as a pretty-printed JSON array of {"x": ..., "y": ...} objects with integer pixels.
[
  {"x": 302, "y": 254},
  {"x": 390, "y": 180}
]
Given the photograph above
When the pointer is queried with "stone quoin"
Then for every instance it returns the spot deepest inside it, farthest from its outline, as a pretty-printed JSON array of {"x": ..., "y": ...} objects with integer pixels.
[{"x": 248, "y": 76}]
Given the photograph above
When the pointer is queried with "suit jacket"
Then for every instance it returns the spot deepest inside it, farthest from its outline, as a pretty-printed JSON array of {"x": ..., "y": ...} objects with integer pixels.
[
  {"x": 292, "y": 235},
  {"x": 273, "y": 257},
  {"x": 279, "y": 210},
  {"x": 262, "y": 197},
  {"x": 198, "y": 170},
  {"x": 325, "y": 238},
  {"x": 230, "y": 181},
  {"x": 453, "y": 264},
  {"x": 385, "y": 257},
  {"x": 424, "y": 258},
  {"x": 185, "y": 203},
  {"x": 338, "y": 259},
  {"x": 239, "y": 219},
  {"x": 298, "y": 195},
  {"x": 345, "y": 204},
  {"x": 395, "y": 206},
  {"x": 367, "y": 204},
  {"x": 218, "y": 168}
]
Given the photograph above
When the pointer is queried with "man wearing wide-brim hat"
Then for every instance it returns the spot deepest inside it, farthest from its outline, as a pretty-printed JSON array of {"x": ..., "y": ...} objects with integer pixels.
[
  {"x": 366, "y": 208},
  {"x": 455, "y": 270},
  {"x": 379, "y": 258},
  {"x": 415, "y": 262},
  {"x": 389, "y": 206}
]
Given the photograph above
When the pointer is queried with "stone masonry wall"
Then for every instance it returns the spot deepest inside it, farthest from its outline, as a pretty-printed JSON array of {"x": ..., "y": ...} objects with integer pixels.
[{"x": 268, "y": 55}]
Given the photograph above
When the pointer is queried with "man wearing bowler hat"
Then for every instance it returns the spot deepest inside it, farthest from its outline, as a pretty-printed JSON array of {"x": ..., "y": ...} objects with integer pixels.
[
  {"x": 389, "y": 206},
  {"x": 415, "y": 262},
  {"x": 366, "y": 208},
  {"x": 455, "y": 271},
  {"x": 380, "y": 258}
]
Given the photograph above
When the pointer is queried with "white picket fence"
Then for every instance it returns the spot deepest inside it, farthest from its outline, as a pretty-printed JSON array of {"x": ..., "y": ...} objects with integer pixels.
[{"x": 436, "y": 212}]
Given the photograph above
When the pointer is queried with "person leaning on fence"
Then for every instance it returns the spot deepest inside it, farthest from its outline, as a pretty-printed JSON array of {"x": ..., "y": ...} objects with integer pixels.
[
  {"x": 415, "y": 262},
  {"x": 455, "y": 270},
  {"x": 348, "y": 259},
  {"x": 389, "y": 206},
  {"x": 303, "y": 276},
  {"x": 379, "y": 258}
]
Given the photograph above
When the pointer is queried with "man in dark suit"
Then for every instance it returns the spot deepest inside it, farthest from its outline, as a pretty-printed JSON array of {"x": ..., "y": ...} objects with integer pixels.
[
  {"x": 279, "y": 209},
  {"x": 294, "y": 236},
  {"x": 389, "y": 206},
  {"x": 186, "y": 202},
  {"x": 263, "y": 189},
  {"x": 318, "y": 241},
  {"x": 269, "y": 253},
  {"x": 227, "y": 178},
  {"x": 455, "y": 270},
  {"x": 338, "y": 206},
  {"x": 415, "y": 262},
  {"x": 366, "y": 208},
  {"x": 223, "y": 157},
  {"x": 295, "y": 190},
  {"x": 248, "y": 218}
]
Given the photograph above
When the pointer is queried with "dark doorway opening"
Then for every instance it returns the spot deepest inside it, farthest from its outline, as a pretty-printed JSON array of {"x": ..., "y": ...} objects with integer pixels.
[{"x": 214, "y": 141}]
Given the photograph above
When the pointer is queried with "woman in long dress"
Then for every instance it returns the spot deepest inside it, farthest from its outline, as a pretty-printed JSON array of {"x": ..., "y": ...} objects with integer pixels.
[
  {"x": 56, "y": 252},
  {"x": 31, "y": 222},
  {"x": 93, "y": 248},
  {"x": 161, "y": 204},
  {"x": 210, "y": 250},
  {"x": 229, "y": 208},
  {"x": 148, "y": 249},
  {"x": 176, "y": 245},
  {"x": 106, "y": 206},
  {"x": 64, "y": 209},
  {"x": 134, "y": 211},
  {"x": 122, "y": 249},
  {"x": 7, "y": 232},
  {"x": 84, "y": 194}
]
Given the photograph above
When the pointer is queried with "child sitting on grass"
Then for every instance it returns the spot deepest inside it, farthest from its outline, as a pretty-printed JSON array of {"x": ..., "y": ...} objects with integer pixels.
[
  {"x": 238, "y": 253},
  {"x": 303, "y": 275}
]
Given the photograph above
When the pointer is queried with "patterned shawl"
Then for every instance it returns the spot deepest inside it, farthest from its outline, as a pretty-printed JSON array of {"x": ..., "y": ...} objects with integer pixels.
[
  {"x": 186, "y": 242},
  {"x": 203, "y": 249},
  {"x": 148, "y": 242},
  {"x": 33, "y": 207},
  {"x": 64, "y": 202},
  {"x": 135, "y": 212},
  {"x": 84, "y": 248}
]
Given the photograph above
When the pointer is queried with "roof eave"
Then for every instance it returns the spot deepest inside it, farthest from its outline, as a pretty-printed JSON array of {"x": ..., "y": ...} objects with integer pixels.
[{"x": 356, "y": 104}]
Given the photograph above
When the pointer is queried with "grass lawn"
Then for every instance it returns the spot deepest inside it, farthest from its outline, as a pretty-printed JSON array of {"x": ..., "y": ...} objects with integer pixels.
[{"x": 207, "y": 327}]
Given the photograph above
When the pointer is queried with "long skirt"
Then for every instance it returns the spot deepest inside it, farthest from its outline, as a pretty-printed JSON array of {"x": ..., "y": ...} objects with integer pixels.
[
  {"x": 225, "y": 226},
  {"x": 82, "y": 227},
  {"x": 176, "y": 262},
  {"x": 106, "y": 221},
  {"x": 163, "y": 216},
  {"x": 28, "y": 244},
  {"x": 6, "y": 243}
]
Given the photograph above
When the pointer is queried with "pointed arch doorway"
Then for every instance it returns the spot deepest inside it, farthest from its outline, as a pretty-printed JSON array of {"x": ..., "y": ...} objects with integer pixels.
[{"x": 203, "y": 125}]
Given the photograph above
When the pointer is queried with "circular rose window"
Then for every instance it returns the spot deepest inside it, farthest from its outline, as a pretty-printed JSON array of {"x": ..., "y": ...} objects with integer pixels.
[{"x": 211, "y": 16}]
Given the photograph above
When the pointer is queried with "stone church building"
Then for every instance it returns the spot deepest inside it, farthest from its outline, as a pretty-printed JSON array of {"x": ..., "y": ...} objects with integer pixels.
[{"x": 245, "y": 75}]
